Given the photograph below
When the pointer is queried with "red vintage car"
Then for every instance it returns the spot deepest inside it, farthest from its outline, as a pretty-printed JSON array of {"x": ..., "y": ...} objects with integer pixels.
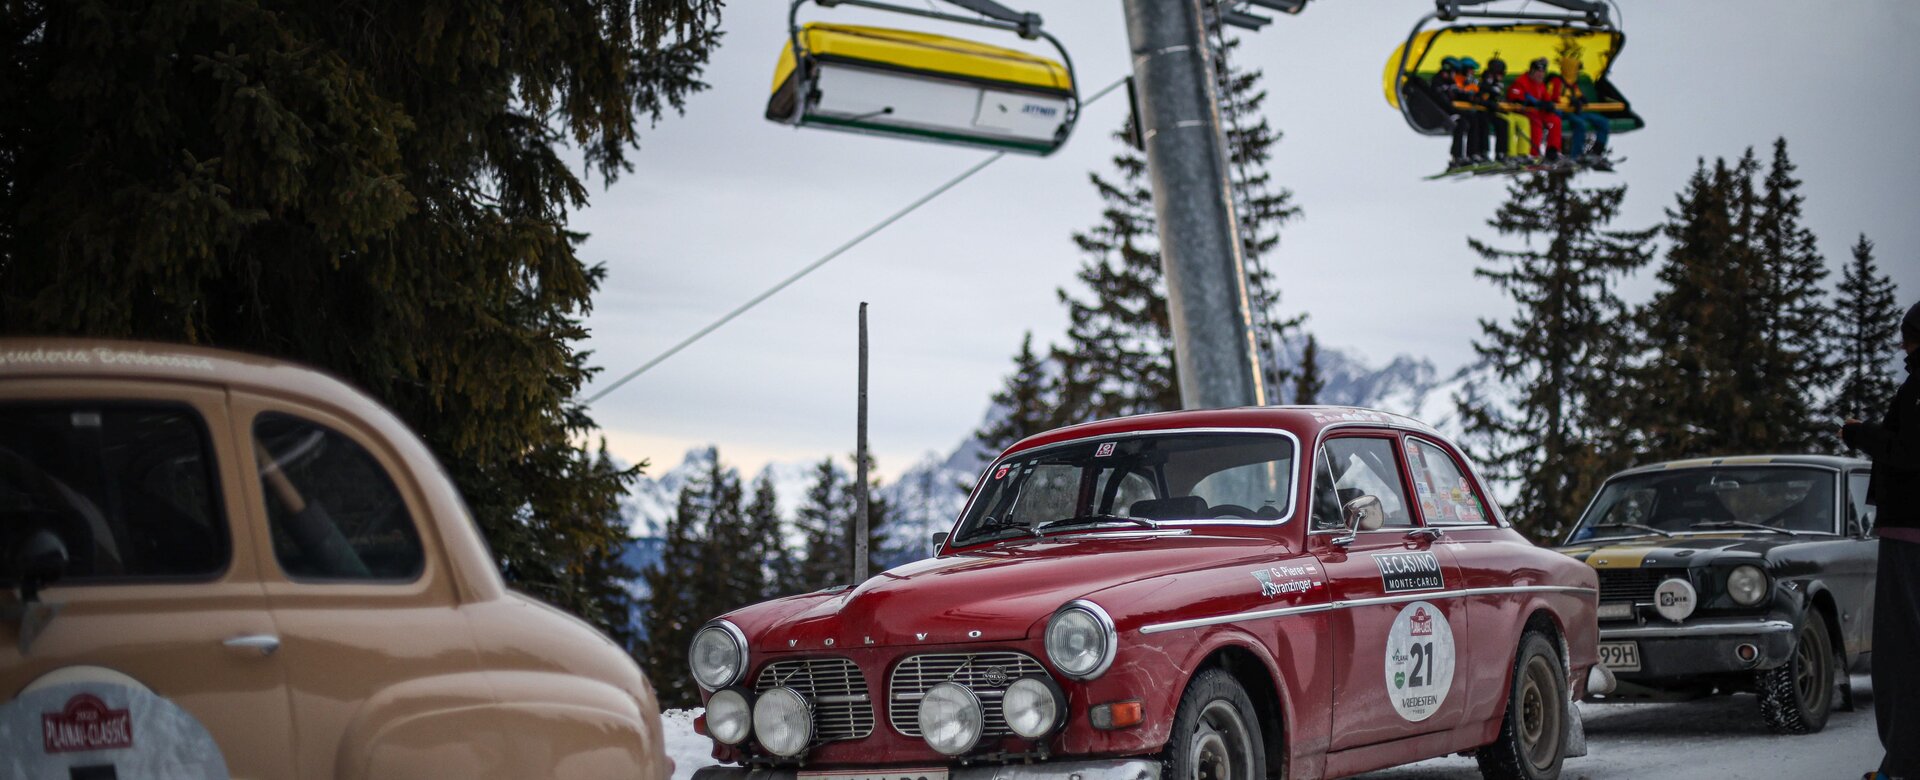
[{"x": 1240, "y": 593}]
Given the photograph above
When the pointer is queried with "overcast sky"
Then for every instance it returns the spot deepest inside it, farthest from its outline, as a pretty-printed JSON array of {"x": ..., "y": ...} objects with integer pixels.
[{"x": 723, "y": 203}]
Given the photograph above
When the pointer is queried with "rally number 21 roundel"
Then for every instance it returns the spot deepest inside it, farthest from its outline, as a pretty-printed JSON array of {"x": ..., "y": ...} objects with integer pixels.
[{"x": 1419, "y": 661}]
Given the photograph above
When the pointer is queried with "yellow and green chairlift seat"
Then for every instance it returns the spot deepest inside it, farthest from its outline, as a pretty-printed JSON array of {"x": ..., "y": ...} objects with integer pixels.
[
  {"x": 1409, "y": 86},
  {"x": 934, "y": 87}
]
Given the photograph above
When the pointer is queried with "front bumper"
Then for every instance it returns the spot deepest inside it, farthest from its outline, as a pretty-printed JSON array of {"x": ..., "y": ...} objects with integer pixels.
[
  {"x": 1115, "y": 769},
  {"x": 1704, "y": 647}
]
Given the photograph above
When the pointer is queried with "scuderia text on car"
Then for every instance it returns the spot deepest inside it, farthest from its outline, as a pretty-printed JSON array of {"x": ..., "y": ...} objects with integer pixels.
[
  {"x": 219, "y": 565},
  {"x": 1224, "y": 594}
]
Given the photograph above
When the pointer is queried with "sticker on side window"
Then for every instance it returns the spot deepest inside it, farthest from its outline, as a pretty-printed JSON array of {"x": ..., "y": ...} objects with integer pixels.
[
  {"x": 1105, "y": 450},
  {"x": 1419, "y": 661}
]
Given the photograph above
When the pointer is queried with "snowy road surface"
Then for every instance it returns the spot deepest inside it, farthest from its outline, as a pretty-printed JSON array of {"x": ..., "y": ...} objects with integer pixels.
[{"x": 1704, "y": 740}]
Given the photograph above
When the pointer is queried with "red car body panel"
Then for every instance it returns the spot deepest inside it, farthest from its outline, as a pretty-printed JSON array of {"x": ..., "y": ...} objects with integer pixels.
[{"x": 1186, "y": 594}]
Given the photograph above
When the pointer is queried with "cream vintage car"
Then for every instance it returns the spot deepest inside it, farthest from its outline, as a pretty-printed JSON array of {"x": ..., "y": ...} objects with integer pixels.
[{"x": 219, "y": 565}]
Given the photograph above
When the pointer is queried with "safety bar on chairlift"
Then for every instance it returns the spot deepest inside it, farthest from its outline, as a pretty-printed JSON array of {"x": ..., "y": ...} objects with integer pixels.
[{"x": 1022, "y": 29}]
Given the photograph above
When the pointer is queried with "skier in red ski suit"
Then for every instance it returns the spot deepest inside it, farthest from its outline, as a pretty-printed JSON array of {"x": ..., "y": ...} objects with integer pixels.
[{"x": 1533, "y": 91}]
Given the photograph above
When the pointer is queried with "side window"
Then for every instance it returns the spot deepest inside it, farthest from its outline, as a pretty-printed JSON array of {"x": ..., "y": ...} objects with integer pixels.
[
  {"x": 1367, "y": 467},
  {"x": 129, "y": 490},
  {"x": 1861, "y": 512},
  {"x": 335, "y": 513},
  {"x": 1446, "y": 497}
]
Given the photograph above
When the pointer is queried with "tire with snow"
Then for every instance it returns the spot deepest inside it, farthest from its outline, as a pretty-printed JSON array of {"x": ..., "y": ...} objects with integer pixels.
[
  {"x": 1533, "y": 735},
  {"x": 1216, "y": 733},
  {"x": 1796, "y": 697}
]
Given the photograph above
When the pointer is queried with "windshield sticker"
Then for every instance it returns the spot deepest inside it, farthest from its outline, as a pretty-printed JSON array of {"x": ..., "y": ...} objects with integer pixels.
[
  {"x": 1401, "y": 572},
  {"x": 1419, "y": 663},
  {"x": 1106, "y": 449},
  {"x": 1287, "y": 579},
  {"x": 1002, "y": 473}
]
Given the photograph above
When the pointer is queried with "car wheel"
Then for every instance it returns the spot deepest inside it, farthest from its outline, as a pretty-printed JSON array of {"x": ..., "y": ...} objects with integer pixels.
[
  {"x": 1533, "y": 734},
  {"x": 1795, "y": 697},
  {"x": 1216, "y": 735}
]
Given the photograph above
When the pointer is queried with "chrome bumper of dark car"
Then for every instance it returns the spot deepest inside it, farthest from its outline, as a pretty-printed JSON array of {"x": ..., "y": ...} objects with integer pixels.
[
  {"x": 1118, "y": 769},
  {"x": 1698, "y": 629}
]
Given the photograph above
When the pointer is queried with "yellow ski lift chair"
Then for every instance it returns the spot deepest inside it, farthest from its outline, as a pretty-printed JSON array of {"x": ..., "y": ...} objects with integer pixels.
[
  {"x": 919, "y": 85},
  {"x": 1412, "y": 66}
]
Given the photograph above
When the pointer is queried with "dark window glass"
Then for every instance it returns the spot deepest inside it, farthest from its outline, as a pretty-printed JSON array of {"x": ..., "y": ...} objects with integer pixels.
[
  {"x": 1367, "y": 467},
  {"x": 334, "y": 511},
  {"x": 129, "y": 490},
  {"x": 1711, "y": 500},
  {"x": 1857, "y": 500},
  {"x": 1134, "y": 481}
]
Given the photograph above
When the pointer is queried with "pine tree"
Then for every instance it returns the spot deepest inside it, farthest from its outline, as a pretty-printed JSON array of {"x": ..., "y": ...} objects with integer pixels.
[
  {"x": 1118, "y": 356},
  {"x": 1700, "y": 330},
  {"x": 1025, "y": 399},
  {"x": 380, "y": 192},
  {"x": 822, "y": 560},
  {"x": 1795, "y": 367},
  {"x": 1562, "y": 278},
  {"x": 768, "y": 543},
  {"x": 606, "y": 575},
  {"x": 672, "y": 612},
  {"x": 1869, "y": 323},
  {"x": 1307, "y": 381}
]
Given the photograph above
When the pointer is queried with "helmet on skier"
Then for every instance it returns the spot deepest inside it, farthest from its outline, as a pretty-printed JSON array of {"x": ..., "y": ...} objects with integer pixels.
[
  {"x": 1539, "y": 64},
  {"x": 1467, "y": 64},
  {"x": 1496, "y": 66},
  {"x": 1448, "y": 64}
]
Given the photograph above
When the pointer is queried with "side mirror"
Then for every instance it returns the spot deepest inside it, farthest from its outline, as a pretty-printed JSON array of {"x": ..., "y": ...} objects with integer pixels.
[
  {"x": 939, "y": 540},
  {"x": 40, "y": 563},
  {"x": 1364, "y": 514}
]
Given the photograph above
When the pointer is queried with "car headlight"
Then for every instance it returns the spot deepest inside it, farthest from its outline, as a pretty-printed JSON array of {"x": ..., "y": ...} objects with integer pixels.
[
  {"x": 1747, "y": 585},
  {"x": 784, "y": 721},
  {"x": 729, "y": 717},
  {"x": 951, "y": 718},
  {"x": 1081, "y": 640},
  {"x": 1032, "y": 706},
  {"x": 718, "y": 655}
]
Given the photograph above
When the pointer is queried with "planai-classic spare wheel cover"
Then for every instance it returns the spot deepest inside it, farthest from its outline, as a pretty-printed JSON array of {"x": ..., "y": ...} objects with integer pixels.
[{"x": 91, "y": 723}]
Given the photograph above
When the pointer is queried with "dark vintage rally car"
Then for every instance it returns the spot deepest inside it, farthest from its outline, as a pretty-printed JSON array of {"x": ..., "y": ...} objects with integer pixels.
[
  {"x": 1741, "y": 574},
  {"x": 1241, "y": 593}
]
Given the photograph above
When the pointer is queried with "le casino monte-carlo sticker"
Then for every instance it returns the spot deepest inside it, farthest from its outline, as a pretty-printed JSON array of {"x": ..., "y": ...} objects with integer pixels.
[{"x": 1411, "y": 571}]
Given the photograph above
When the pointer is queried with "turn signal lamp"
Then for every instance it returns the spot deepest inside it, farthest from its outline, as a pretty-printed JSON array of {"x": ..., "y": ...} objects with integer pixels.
[{"x": 1117, "y": 715}]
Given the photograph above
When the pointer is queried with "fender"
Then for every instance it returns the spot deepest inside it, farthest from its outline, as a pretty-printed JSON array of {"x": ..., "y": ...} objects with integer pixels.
[
  {"x": 1305, "y": 737},
  {"x": 501, "y": 724}
]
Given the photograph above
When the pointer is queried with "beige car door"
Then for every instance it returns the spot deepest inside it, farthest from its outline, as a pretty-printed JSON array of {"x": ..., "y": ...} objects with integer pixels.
[
  {"x": 351, "y": 566},
  {"x": 137, "y": 480}
]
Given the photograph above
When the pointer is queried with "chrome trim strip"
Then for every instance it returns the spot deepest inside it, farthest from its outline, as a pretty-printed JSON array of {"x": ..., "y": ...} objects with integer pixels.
[
  {"x": 1717, "y": 628},
  {"x": 1304, "y": 609}
]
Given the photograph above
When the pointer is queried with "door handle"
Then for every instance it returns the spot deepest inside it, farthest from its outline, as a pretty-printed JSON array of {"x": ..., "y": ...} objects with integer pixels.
[
  {"x": 1427, "y": 531},
  {"x": 265, "y": 643}
]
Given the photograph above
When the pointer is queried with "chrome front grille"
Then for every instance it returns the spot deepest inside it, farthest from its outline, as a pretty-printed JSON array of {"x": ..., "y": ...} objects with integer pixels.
[
  {"x": 842, "y": 709},
  {"x": 1632, "y": 585},
  {"x": 986, "y": 674}
]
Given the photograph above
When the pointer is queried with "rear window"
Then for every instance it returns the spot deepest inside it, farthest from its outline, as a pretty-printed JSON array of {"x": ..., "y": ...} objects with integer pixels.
[{"x": 129, "y": 490}]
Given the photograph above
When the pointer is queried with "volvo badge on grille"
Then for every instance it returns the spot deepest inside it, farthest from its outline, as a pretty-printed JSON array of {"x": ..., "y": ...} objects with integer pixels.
[{"x": 997, "y": 676}]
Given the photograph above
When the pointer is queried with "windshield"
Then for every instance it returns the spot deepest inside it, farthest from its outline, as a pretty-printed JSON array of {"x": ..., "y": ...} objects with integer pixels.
[
  {"x": 1133, "y": 482},
  {"x": 1711, "y": 500}
]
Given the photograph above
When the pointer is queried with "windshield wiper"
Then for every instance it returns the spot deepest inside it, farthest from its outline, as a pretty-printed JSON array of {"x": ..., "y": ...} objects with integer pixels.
[
  {"x": 1637, "y": 527},
  {"x": 1742, "y": 524},
  {"x": 992, "y": 527},
  {"x": 1095, "y": 519}
]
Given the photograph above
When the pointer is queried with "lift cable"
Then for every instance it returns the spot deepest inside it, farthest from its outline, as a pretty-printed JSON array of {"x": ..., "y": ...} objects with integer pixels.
[{"x": 815, "y": 265}]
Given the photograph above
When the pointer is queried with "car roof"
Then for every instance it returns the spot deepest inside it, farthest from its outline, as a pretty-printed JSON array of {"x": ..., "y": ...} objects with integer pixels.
[
  {"x": 94, "y": 359},
  {"x": 1304, "y": 421},
  {"x": 1823, "y": 461}
]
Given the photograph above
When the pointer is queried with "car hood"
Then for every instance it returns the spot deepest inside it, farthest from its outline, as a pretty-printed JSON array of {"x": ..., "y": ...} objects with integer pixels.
[
  {"x": 1679, "y": 551},
  {"x": 999, "y": 593}
]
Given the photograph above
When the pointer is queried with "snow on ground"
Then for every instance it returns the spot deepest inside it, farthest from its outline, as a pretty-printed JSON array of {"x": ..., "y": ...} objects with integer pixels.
[
  {"x": 690, "y": 751},
  {"x": 1701, "y": 740}
]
